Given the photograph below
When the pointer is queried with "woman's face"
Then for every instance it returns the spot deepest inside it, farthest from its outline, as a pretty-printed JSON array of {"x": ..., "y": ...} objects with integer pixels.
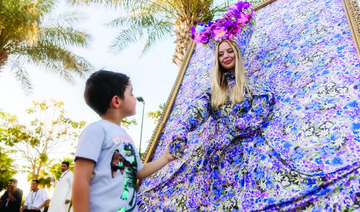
[{"x": 227, "y": 57}]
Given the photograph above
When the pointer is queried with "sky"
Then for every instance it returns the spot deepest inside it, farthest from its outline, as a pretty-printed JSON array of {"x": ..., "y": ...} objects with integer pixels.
[{"x": 152, "y": 77}]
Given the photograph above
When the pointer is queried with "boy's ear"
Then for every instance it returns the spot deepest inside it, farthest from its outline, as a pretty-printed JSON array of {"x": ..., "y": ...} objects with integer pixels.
[{"x": 116, "y": 102}]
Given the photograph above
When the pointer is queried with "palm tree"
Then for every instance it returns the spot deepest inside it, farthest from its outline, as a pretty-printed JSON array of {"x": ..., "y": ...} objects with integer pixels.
[
  {"x": 157, "y": 19},
  {"x": 28, "y": 34}
]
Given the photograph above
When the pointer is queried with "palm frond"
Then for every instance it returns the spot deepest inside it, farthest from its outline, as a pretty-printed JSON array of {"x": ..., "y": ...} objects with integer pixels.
[
  {"x": 65, "y": 36},
  {"x": 162, "y": 30},
  {"x": 68, "y": 18},
  {"x": 140, "y": 20},
  {"x": 124, "y": 4},
  {"x": 20, "y": 73},
  {"x": 125, "y": 38},
  {"x": 57, "y": 59}
]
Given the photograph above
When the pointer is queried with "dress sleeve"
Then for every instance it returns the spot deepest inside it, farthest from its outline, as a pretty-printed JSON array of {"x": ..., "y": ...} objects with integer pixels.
[
  {"x": 246, "y": 122},
  {"x": 194, "y": 115}
]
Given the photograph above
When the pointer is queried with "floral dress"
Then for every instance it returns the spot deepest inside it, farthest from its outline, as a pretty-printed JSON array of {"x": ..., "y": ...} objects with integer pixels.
[
  {"x": 235, "y": 169},
  {"x": 203, "y": 176}
]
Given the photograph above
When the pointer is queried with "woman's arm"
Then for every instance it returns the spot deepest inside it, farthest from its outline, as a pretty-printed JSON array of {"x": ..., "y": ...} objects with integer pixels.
[
  {"x": 194, "y": 116},
  {"x": 81, "y": 187},
  {"x": 252, "y": 120}
]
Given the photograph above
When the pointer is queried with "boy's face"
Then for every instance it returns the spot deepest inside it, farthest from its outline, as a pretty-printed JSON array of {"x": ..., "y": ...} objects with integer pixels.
[{"x": 129, "y": 104}]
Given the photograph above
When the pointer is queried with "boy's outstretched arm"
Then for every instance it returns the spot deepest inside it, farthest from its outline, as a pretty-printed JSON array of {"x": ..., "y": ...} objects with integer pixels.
[
  {"x": 154, "y": 166},
  {"x": 81, "y": 186}
]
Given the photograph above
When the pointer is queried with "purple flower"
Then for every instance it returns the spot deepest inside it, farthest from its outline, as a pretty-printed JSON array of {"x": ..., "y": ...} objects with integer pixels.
[
  {"x": 228, "y": 24},
  {"x": 219, "y": 33},
  {"x": 210, "y": 23},
  {"x": 192, "y": 30},
  {"x": 237, "y": 16},
  {"x": 244, "y": 19},
  {"x": 233, "y": 12},
  {"x": 235, "y": 29},
  {"x": 242, "y": 5},
  {"x": 205, "y": 38}
]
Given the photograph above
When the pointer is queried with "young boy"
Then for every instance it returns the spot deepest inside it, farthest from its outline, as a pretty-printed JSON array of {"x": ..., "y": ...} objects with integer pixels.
[{"x": 107, "y": 164}]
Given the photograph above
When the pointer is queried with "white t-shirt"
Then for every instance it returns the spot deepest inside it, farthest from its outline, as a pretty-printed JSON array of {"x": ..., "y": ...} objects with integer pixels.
[
  {"x": 36, "y": 199},
  {"x": 113, "y": 184}
]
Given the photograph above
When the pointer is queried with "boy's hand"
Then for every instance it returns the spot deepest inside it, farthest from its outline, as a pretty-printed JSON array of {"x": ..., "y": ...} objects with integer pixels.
[{"x": 167, "y": 153}]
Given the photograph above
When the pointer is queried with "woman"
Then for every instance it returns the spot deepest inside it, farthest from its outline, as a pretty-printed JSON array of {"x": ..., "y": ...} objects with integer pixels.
[
  {"x": 209, "y": 167},
  {"x": 224, "y": 161},
  {"x": 229, "y": 112}
]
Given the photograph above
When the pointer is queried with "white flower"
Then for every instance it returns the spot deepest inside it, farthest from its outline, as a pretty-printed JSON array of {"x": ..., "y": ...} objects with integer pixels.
[
  {"x": 305, "y": 126},
  {"x": 324, "y": 132},
  {"x": 287, "y": 130},
  {"x": 308, "y": 133},
  {"x": 328, "y": 106},
  {"x": 228, "y": 204},
  {"x": 328, "y": 124},
  {"x": 263, "y": 185},
  {"x": 278, "y": 177},
  {"x": 332, "y": 93},
  {"x": 285, "y": 182},
  {"x": 299, "y": 179},
  {"x": 338, "y": 143}
]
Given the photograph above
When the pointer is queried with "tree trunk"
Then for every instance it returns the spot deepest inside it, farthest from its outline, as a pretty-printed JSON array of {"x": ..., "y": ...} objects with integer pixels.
[
  {"x": 183, "y": 36},
  {"x": 3, "y": 57}
]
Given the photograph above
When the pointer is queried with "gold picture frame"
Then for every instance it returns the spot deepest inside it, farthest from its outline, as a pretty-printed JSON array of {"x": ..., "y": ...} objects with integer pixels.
[{"x": 352, "y": 11}]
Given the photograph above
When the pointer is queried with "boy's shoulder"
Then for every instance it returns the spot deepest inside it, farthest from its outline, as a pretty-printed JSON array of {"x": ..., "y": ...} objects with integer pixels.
[
  {"x": 107, "y": 128},
  {"x": 99, "y": 125}
]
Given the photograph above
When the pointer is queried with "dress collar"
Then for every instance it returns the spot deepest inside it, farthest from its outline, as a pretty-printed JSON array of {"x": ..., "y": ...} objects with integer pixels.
[{"x": 230, "y": 79}]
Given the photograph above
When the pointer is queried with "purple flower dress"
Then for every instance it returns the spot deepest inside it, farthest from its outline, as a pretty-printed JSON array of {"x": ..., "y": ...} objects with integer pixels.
[
  {"x": 202, "y": 179},
  {"x": 235, "y": 169}
]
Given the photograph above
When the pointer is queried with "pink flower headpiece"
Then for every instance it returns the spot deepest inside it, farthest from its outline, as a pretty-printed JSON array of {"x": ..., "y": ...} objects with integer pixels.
[{"x": 236, "y": 18}]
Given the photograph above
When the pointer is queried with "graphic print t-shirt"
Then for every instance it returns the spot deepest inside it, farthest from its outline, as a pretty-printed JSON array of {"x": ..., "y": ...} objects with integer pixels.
[{"x": 112, "y": 187}]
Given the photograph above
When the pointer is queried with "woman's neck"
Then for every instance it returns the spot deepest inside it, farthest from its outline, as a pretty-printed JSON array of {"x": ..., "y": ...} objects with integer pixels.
[{"x": 231, "y": 71}]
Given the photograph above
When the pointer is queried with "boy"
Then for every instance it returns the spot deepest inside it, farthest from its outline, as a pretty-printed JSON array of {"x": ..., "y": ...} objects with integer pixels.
[{"x": 107, "y": 164}]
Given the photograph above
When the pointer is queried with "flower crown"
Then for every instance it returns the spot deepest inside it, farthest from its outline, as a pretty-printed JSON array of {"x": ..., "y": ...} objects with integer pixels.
[{"x": 237, "y": 17}]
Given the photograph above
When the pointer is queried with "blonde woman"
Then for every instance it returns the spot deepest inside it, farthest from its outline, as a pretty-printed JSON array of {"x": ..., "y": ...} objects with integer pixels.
[
  {"x": 210, "y": 139},
  {"x": 208, "y": 167}
]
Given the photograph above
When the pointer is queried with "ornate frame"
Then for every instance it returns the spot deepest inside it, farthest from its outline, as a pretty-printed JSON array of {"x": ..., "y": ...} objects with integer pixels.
[{"x": 352, "y": 11}]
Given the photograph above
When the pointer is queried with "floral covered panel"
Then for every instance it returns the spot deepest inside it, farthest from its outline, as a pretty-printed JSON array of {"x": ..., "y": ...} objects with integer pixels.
[{"x": 307, "y": 153}]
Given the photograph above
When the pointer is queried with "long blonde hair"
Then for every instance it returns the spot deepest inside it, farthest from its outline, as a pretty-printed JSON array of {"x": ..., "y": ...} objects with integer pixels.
[{"x": 219, "y": 84}]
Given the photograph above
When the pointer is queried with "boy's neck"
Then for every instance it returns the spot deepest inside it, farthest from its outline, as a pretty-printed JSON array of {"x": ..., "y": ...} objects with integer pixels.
[{"x": 112, "y": 116}]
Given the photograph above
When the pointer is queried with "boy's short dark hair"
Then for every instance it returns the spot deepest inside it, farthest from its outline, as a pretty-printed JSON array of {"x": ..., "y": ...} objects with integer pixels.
[
  {"x": 13, "y": 180},
  {"x": 101, "y": 87},
  {"x": 66, "y": 163}
]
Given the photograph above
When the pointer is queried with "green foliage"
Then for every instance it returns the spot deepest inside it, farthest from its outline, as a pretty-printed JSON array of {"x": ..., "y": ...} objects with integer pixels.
[
  {"x": 48, "y": 131},
  {"x": 7, "y": 169},
  {"x": 128, "y": 122},
  {"x": 157, "y": 114},
  {"x": 11, "y": 132},
  {"x": 29, "y": 34},
  {"x": 155, "y": 20}
]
